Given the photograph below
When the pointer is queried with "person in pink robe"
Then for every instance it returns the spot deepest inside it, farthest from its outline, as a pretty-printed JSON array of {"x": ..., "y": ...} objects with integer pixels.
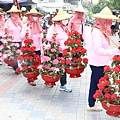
[
  {"x": 2, "y": 21},
  {"x": 77, "y": 22},
  {"x": 33, "y": 30},
  {"x": 59, "y": 31},
  {"x": 99, "y": 54},
  {"x": 13, "y": 26}
]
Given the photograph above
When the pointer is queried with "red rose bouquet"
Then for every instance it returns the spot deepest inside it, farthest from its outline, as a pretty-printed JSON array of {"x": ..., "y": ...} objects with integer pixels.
[
  {"x": 109, "y": 84},
  {"x": 28, "y": 59},
  {"x": 75, "y": 53}
]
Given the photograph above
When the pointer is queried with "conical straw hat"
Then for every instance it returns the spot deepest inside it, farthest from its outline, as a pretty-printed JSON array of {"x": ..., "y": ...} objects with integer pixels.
[
  {"x": 106, "y": 14},
  {"x": 13, "y": 9},
  {"x": 33, "y": 11},
  {"x": 2, "y": 13},
  {"x": 61, "y": 15},
  {"x": 79, "y": 9},
  {"x": 1, "y": 9}
]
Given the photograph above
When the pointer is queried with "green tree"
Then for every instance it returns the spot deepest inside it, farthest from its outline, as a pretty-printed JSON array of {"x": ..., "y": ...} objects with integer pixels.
[
  {"x": 114, "y": 4},
  {"x": 96, "y": 8}
]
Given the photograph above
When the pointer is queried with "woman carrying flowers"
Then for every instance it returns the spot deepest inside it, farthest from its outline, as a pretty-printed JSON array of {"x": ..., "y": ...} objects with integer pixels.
[
  {"x": 99, "y": 54},
  {"x": 77, "y": 21},
  {"x": 2, "y": 20},
  {"x": 59, "y": 32},
  {"x": 13, "y": 27},
  {"x": 32, "y": 30}
]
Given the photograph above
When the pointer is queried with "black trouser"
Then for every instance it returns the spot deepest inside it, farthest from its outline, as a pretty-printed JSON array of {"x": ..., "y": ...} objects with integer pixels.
[
  {"x": 16, "y": 65},
  {"x": 38, "y": 52},
  {"x": 97, "y": 73},
  {"x": 63, "y": 79}
]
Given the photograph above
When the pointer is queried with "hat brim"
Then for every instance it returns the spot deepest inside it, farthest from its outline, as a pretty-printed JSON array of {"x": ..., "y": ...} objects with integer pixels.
[
  {"x": 30, "y": 13},
  {"x": 61, "y": 17},
  {"x": 14, "y": 11},
  {"x": 78, "y": 10},
  {"x": 2, "y": 13},
  {"x": 105, "y": 16}
]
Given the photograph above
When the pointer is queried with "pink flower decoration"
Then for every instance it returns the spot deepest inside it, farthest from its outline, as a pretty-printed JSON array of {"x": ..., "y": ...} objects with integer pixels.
[
  {"x": 55, "y": 61},
  {"x": 53, "y": 50},
  {"x": 52, "y": 68},
  {"x": 46, "y": 58},
  {"x": 18, "y": 51},
  {"x": 17, "y": 44},
  {"x": 0, "y": 54},
  {"x": 57, "y": 42},
  {"x": 1, "y": 47},
  {"x": 5, "y": 55},
  {"x": 48, "y": 48},
  {"x": 60, "y": 49},
  {"x": 44, "y": 39}
]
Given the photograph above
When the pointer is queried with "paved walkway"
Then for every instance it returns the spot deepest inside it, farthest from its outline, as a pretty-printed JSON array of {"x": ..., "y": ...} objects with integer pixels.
[{"x": 20, "y": 101}]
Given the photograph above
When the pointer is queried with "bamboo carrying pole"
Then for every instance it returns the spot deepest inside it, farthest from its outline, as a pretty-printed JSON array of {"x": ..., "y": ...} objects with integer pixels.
[
  {"x": 15, "y": 2},
  {"x": 108, "y": 37}
]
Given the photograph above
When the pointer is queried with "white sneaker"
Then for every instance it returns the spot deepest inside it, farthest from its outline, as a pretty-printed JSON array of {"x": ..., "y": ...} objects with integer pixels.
[
  {"x": 95, "y": 108},
  {"x": 10, "y": 67},
  {"x": 0, "y": 63},
  {"x": 65, "y": 88}
]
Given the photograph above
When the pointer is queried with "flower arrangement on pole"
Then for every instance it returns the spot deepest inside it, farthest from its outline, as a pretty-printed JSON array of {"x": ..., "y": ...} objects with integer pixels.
[
  {"x": 29, "y": 61},
  {"x": 109, "y": 86},
  {"x": 51, "y": 65},
  {"x": 9, "y": 50},
  {"x": 75, "y": 53}
]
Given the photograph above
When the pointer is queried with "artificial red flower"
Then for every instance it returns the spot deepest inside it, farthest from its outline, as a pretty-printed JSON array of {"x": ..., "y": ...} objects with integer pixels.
[
  {"x": 107, "y": 69},
  {"x": 113, "y": 96},
  {"x": 68, "y": 61},
  {"x": 17, "y": 70},
  {"x": 117, "y": 82},
  {"x": 78, "y": 41},
  {"x": 116, "y": 69},
  {"x": 107, "y": 90},
  {"x": 116, "y": 58},
  {"x": 72, "y": 41},
  {"x": 85, "y": 60},
  {"x": 62, "y": 61},
  {"x": 107, "y": 95},
  {"x": 24, "y": 68},
  {"x": 20, "y": 57},
  {"x": 97, "y": 94}
]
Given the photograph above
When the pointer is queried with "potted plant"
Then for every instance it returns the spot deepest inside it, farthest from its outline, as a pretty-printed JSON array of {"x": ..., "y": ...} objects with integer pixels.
[
  {"x": 29, "y": 62},
  {"x": 75, "y": 55},
  {"x": 9, "y": 50},
  {"x": 51, "y": 68},
  {"x": 109, "y": 88}
]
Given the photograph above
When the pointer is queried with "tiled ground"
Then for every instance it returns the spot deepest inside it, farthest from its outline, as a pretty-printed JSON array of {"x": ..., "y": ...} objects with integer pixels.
[{"x": 20, "y": 101}]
